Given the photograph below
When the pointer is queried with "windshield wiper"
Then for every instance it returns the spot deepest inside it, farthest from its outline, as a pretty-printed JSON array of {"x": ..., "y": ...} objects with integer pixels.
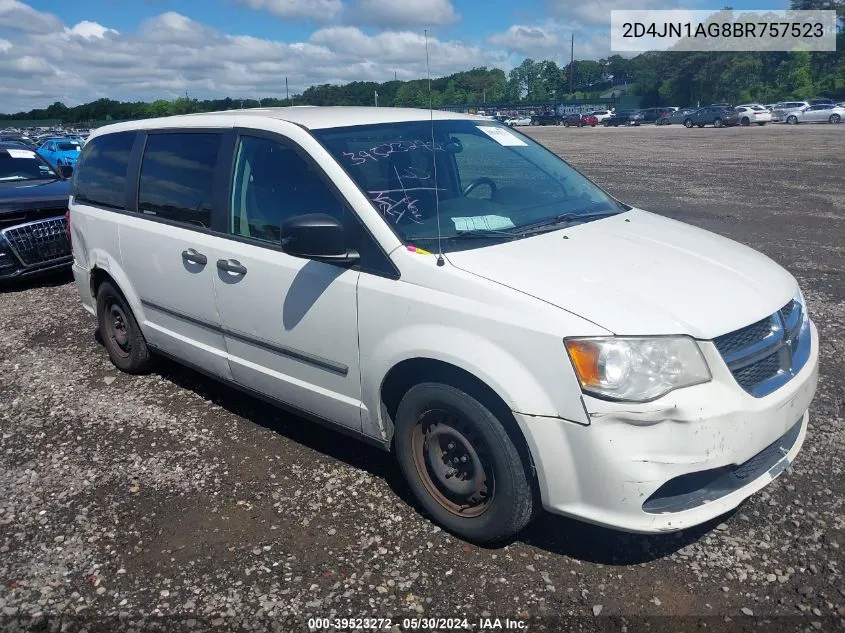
[
  {"x": 476, "y": 233},
  {"x": 559, "y": 221}
]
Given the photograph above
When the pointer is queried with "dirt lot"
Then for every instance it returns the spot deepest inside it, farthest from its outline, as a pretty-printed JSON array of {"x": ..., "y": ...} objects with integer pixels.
[{"x": 169, "y": 501}]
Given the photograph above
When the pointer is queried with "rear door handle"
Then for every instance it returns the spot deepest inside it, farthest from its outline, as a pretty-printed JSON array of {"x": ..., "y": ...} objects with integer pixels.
[
  {"x": 231, "y": 266},
  {"x": 192, "y": 256}
]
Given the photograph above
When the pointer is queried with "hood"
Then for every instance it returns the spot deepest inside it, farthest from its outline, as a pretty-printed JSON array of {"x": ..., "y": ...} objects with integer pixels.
[
  {"x": 638, "y": 273},
  {"x": 24, "y": 195}
]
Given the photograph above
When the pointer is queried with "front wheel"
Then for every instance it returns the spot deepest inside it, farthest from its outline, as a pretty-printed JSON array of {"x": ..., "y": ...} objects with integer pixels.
[
  {"x": 120, "y": 332},
  {"x": 717, "y": 123},
  {"x": 835, "y": 118},
  {"x": 688, "y": 123},
  {"x": 745, "y": 121},
  {"x": 792, "y": 120},
  {"x": 566, "y": 124},
  {"x": 461, "y": 464}
]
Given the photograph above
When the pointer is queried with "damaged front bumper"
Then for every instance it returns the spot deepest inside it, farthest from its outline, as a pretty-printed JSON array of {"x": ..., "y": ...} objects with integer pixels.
[{"x": 675, "y": 462}]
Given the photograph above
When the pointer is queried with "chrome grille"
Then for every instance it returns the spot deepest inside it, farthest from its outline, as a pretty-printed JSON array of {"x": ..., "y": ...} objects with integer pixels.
[
  {"x": 41, "y": 242},
  {"x": 765, "y": 355}
]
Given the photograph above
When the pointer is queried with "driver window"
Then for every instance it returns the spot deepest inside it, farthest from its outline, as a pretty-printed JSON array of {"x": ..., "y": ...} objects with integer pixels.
[
  {"x": 273, "y": 183},
  {"x": 511, "y": 173}
]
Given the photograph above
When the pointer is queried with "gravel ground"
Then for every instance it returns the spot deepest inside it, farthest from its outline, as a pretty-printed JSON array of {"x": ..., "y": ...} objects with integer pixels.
[{"x": 169, "y": 501}]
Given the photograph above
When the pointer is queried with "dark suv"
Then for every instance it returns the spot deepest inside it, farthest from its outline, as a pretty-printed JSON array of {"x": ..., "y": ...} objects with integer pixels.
[
  {"x": 623, "y": 117},
  {"x": 717, "y": 116},
  {"x": 546, "y": 118},
  {"x": 33, "y": 204}
]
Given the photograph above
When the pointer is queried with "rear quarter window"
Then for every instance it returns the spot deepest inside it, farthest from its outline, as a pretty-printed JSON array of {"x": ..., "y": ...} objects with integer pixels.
[{"x": 100, "y": 176}]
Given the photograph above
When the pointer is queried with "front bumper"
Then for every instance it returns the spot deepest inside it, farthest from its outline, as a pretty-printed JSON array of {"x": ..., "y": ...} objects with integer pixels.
[
  {"x": 605, "y": 472},
  {"x": 34, "y": 248}
]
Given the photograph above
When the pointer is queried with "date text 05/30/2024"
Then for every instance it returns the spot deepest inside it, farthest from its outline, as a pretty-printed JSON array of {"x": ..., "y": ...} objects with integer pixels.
[{"x": 412, "y": 624}]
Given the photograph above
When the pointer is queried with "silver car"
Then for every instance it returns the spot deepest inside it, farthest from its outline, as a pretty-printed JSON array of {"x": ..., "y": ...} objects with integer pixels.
[
  {"x": 780, "y": 109},
  {"x": 821, "y": 113},
  {"x": 677, "y": 116}
]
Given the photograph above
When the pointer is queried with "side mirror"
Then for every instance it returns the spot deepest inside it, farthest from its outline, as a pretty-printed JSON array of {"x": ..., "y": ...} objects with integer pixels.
[
  {"x": 316, "y": 236},
  {"x": 66, "y": 171}
]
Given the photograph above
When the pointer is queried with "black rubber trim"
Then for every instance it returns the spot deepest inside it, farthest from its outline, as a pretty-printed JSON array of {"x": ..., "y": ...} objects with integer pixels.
[
  {"x": 695, "y": 489},
  {"x": 304, "y": 357}
]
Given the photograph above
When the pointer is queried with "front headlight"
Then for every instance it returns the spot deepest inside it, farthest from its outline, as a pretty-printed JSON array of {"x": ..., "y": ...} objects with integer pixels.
[{"x": 636, "y": 369}]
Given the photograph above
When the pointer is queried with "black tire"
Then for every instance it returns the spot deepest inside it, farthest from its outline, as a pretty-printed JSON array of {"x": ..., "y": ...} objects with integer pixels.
[
  {"x": 566, "y": 124},
  {"x": 120, "y": 332},
  {"x": 436, "y": 424},
  {"x": 835, "y": 119},
  {"x": 761, "y": 123},
  {"x": 717, "y": 122},
  {"x": 688, "y": 123},
  {"x": 792, "y": 120},
  {"x": 745, "y": 122},
  {"x": 701, "y": 125}
]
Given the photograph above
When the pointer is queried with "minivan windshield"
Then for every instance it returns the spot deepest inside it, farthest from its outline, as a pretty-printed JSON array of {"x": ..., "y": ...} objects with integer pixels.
[{"x": 486, "y": 179}]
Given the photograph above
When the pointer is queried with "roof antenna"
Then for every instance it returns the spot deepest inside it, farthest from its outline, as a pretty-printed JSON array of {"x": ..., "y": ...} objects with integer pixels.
[{"x": 440, "y": 260}]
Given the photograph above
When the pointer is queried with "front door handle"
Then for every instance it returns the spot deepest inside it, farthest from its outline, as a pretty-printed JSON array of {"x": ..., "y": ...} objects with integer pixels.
[
  {"x": 231, "y": 266},
  {"x": 191, "y": 255}
]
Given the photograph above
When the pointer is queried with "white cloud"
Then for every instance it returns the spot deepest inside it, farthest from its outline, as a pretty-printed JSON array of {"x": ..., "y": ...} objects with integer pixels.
[
  {"x": 90, "y": 29},
  {"x": 171, "y": 53},
  {"x": 597, "y": 12},
  {"x": 320, "y": 10},
  {"x": 394, "y": 13},
  {"x": 17, "y": 16},
  {"x": 528, "y": 40}
]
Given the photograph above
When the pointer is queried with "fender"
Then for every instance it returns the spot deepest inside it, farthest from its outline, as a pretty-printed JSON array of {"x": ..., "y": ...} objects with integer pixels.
[
  {"x": 101, "y": 259},
  {"x": 494, "y": 365}
]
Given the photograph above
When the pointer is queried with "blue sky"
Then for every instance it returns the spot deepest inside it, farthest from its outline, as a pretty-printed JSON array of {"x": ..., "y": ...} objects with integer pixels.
[{"x": 79, "y": 50}]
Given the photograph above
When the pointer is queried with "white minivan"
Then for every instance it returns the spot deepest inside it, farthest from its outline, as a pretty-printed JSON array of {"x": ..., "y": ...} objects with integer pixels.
[{"x": 450, "y": 290}]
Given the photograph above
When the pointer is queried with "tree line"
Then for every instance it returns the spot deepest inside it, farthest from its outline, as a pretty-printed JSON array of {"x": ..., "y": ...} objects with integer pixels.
[{"x": 658, "y": 78}]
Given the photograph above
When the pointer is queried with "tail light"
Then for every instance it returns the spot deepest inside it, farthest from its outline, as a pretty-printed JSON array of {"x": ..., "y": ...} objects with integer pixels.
[{"x": 67, "y": 227}]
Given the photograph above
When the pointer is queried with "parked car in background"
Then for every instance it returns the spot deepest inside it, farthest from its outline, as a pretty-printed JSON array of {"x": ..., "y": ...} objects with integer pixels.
[
  {"x": 519, "y": 120},
  {"x": 717, "y": 116},
  {"x": 753, "y": 113},
  {"x": 60, "y": 151},
  {"x": 786, "y": 106},
  {"x": 623, "y": 117},
  {"x": 589, "y": 119},
  {"x": 33, "y": 204},
  {"x": 601, "y": 115},
  {"x": 822, "y": 113},
  {"x": 546, "y": 118},
  {"x": 652, "y": 115},
  {"x": 652, "y": 393},
  {"x": 578, "y": 119},
  {"x": 821, "y": 101},
  {"x": 675, "y": 117}
]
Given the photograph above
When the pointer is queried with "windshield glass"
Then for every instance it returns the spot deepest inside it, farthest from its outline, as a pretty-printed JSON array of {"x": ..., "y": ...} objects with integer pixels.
[
  {"x": 23, "y": 164},
  {"x": 68, "y": 147},
  {"x": 488, "y": 178}
]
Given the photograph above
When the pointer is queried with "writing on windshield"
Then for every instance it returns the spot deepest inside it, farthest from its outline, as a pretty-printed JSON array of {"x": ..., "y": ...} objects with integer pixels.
[{"x": 384, "y": 150}]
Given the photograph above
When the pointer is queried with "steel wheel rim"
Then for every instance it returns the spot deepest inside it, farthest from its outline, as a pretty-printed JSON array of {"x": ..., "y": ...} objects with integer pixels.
[
  {"x": 116, "y": 331},
  {"x": 453, "y": 463}
]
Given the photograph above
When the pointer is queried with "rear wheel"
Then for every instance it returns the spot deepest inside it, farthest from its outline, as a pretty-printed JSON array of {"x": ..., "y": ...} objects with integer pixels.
[
  {"x": 566, "y": 124},
  {"x": 461, "y": 463},
  {"x": 745, "y": 121},
  {"x": 792, "y": 119},
  {"x": 835, "y": 118},
  {"x": 717, "y": 123},
  {"x": 120, "y": 332},
  {"x": 761, "y": 123},
  {"x": 688, "y": 123}
]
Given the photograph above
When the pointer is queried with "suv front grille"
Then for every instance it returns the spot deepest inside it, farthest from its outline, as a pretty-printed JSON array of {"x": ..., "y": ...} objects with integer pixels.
[
  {"x": 40, "y": 242},
  {"x": 765, "y": 355}
]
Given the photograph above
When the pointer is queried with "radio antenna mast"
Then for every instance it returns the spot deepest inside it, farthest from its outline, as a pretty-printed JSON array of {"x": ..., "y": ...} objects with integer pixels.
[{"x": 440, "y": 260}]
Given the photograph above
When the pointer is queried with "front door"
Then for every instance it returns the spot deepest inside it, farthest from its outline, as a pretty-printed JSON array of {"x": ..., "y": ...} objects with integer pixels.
[{"x": 290, "y": 324}]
